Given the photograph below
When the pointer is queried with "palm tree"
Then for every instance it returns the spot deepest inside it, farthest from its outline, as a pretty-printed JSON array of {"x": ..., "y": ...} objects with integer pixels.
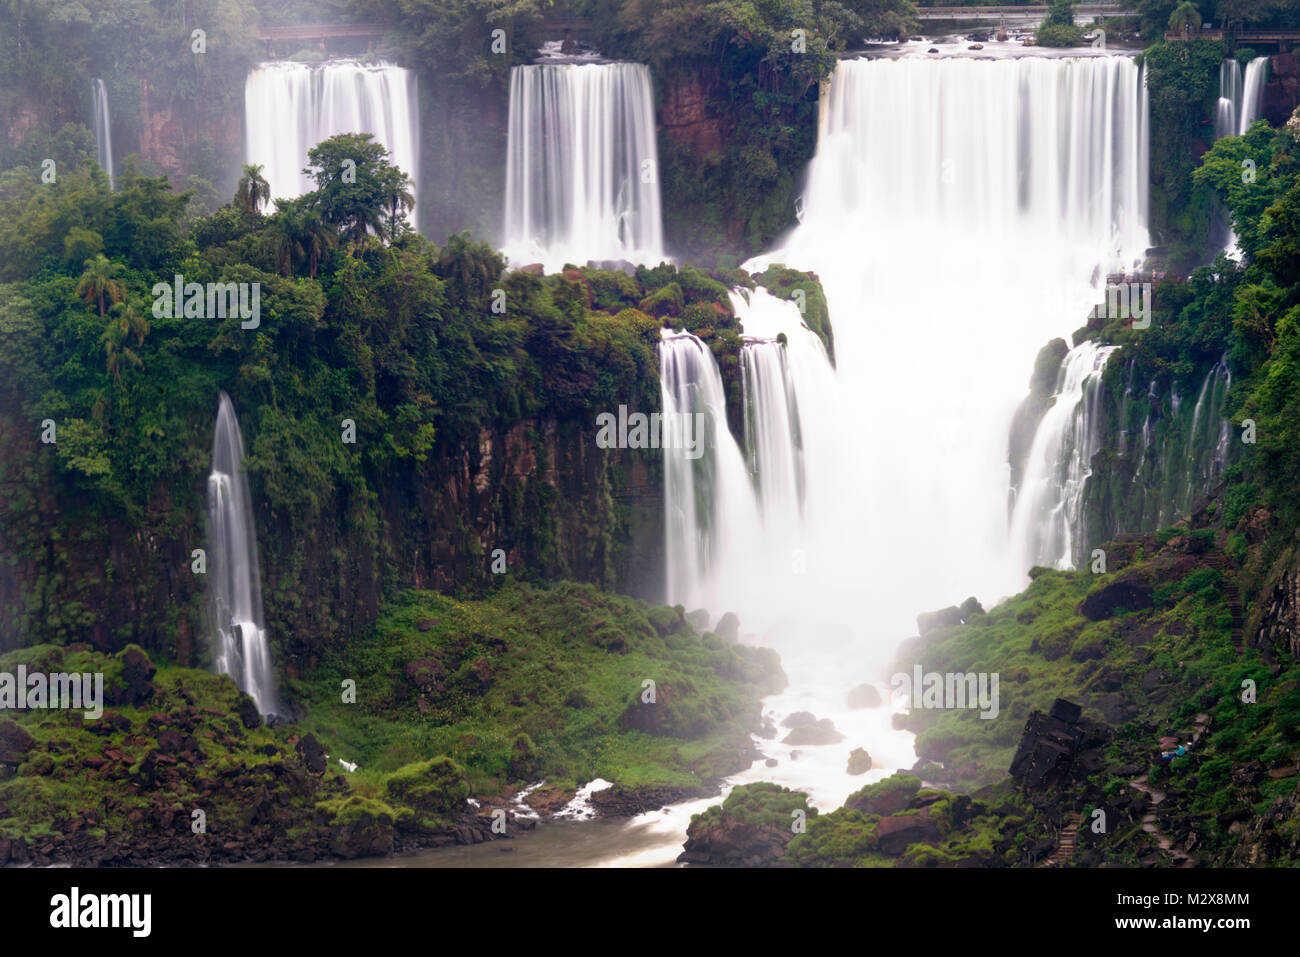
[
  {"x": 115, "y": 351},
  {"x": 471, "y": 265},
  {"x": 284, "y": 243},
  {"x": 253, "y": 192},
  {"x": 99, "y": 282},
  {"x": 131, "y": 320},
  {"x": 1186, "y": 19},
  {"x": 399, "y": 200},
  {"x": 300, "y": 236},
  {"x": 315, "y": 238}
]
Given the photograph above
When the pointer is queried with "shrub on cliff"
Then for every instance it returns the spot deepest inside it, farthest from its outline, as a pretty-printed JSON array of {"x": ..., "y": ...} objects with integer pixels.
[{"x": 430, "y": 788}]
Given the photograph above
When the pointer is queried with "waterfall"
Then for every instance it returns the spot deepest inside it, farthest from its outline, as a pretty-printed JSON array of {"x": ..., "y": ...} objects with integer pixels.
[
  {"x": 709, "y": 500},
  {"x": 1047, "y": 516},
  {"x": 1167, "y": 453},
  {"x": 1210, "y": 430},
  {"x": 960, "y": 212},
  {"x": 582, "y": 179},
  {"x": 290, "y": 107},
  {"x": 103, "y": 129},
  {"x": 772, "y": 428},
  {"x": 756, "y": 522},
  {"x": 1240, "y": 104},
  {"x": 1229, "y": 105},
  {"x": 1252, "y": 96},
  {"x": 235, "y": 590},
  {"x": 1240, "y": 100}
]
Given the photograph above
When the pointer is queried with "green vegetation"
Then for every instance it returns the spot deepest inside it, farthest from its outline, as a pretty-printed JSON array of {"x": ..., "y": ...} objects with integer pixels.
[
  {"x": 1043, "y": 648},
  {"x": 926, "y": 828},
  {"x": 1257, "y": 178},
  {"x": 125, "y": 785},
  {"x": 540, "y": 683},
  {"x": 1146, "y": 672},
  {"x": 452, "y": 698},
  {"x": 1057, "y": 28},
  {"x": 1183, "y": 83},
  {"x": 761, "y": 805},
  {"x": 427, "y": 349}
]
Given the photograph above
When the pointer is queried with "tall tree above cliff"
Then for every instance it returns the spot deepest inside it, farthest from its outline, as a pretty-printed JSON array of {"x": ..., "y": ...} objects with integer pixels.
[{"x": 357, "y": 189}]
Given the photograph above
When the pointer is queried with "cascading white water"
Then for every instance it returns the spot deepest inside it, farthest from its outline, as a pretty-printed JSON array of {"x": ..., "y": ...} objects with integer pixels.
[
  {"x": 960, "y": 213},
  {"x": 772, "y": 429},
  {"x": 1047, "y": 513},
  {"x": 1252, "y": 93},
  {"x": 1210, "y": 430},
  {"x": 1229, "y": 105},
  {"x": 291, "y": 107},
  {"x": 755, "y": 512},
  {"x": 235, "y": 589},
  {"x": 582, "y": 178},
  {"x": 709, "y": 502},
  {"x": 1240, "y": 104},
  {"x": 756, "y": 528},
  {"x": 103, "y": 129}
]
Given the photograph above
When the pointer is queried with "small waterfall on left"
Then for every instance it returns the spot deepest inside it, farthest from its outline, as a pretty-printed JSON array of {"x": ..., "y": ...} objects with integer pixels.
[
  {"x": 103, "y": 129},
  {"x": 235, "y": 589}
]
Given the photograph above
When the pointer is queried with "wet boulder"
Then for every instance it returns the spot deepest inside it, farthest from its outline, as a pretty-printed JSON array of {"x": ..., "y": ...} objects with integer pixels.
[
  {"x": 859, "y": 761},
  {"x": 864, "y": 696},
  {"x": 821, "y": 731}
]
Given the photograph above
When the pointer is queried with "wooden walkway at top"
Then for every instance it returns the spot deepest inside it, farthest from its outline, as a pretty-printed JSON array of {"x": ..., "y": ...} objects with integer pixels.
[
  {"x": 281, "y": 40},
  {"x": 1025, "y": 12},
  {"x": 1283, "y": 38},
  {"x": 321, "y": 31}
]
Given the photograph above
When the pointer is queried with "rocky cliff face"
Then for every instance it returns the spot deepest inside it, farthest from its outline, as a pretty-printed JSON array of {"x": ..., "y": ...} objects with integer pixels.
[
  {"x": 1282, "y": 92},
  {"x": 206, "y": 141},
  {"x": 685, "y": 116},
  {"x": 541, "y": 492},
  {"x": 1274, "y": 624}
]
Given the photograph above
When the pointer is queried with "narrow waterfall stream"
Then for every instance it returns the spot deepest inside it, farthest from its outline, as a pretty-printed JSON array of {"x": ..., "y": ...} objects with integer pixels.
[
  {"x": 1229, "y": 105},
  {"x": 235, "y": 586},
  {"x": 103, "y": 123},
  {"x": 1048, "y": 510}
]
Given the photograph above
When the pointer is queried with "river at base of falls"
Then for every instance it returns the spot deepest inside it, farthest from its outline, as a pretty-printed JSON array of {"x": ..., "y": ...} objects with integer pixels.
[{"x": 655, "y": 839}]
